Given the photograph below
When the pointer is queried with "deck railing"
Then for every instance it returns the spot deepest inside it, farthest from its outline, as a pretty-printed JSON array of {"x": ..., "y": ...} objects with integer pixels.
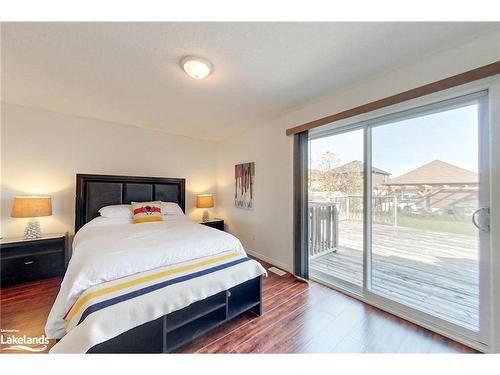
[
  {"x": 324, "y": 219},
  {"x": 384, "y": 209},
  {"x": 323, "y": 228}
]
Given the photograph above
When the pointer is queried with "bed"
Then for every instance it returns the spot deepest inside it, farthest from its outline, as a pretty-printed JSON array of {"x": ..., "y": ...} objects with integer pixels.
[{"x": 150, "y": 287}]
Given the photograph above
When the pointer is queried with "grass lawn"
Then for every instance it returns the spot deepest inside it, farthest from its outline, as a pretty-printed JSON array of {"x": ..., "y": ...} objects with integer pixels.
[{"x": 437, "y": 224}]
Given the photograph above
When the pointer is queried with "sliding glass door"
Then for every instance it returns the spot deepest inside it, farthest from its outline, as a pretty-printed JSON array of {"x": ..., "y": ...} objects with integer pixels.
[
  {"x": 399, "y": 212},
  {"x": 425, "y": 248},
  {"x": 336, "y": 206}
]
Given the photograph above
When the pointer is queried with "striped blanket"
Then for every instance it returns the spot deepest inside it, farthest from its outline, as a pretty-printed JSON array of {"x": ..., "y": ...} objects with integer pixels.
[{"x": 106, "y": 310}]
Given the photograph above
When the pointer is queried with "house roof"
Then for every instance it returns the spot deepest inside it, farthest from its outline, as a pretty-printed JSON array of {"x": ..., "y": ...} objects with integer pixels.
[
  {"x": 357, "y": 166},
  {"x": 436, "y": 172}
]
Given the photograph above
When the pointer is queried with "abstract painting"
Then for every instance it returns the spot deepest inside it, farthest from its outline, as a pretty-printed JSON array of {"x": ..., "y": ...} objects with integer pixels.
[{"x": 244, "y": 179}]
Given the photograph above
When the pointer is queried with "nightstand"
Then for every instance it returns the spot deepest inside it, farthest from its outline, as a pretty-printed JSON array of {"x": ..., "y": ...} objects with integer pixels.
[
  {"x": 214, "y": 223},
  {"x": 28, "y": 260}
]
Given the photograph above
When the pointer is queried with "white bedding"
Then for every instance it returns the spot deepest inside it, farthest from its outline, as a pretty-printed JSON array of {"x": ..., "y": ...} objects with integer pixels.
[{"x": 106, "y": 249}]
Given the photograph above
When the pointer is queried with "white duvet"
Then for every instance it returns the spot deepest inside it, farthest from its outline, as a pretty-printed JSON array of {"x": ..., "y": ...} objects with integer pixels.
[{"x": 106, "y": 249}]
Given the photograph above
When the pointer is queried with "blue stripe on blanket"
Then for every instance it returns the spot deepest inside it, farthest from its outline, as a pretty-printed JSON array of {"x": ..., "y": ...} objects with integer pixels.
[{"x": 151, "y": 288}]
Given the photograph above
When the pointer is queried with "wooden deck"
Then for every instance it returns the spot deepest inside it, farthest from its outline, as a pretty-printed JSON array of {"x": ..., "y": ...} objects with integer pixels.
[{"x": 431, "y": 271}]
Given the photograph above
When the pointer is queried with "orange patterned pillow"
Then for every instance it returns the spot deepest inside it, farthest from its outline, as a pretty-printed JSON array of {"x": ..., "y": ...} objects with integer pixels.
[{"x": 144, "y": 212}]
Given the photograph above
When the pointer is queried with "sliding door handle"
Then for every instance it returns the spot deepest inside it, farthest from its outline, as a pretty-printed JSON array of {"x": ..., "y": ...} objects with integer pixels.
[{"x": 481, "y": 219}]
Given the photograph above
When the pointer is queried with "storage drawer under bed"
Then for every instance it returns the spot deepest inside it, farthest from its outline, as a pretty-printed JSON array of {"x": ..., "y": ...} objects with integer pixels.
[{"x": 180, "y": 327}]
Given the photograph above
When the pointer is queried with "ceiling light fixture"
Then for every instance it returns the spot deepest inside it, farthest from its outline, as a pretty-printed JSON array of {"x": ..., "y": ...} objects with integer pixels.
[{"x": 196, "y": 67}]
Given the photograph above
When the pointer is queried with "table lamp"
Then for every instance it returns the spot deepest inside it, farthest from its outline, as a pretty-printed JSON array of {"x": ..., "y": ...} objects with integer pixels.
[
  {"x": 32, "y": 207},
  {"x": 204, "y": 201}
]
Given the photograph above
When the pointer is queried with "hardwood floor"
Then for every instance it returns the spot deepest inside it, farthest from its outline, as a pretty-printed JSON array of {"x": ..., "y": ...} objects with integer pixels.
[
  {"x": 25, "y": 307},
  {"x": 298, "y": 318}
]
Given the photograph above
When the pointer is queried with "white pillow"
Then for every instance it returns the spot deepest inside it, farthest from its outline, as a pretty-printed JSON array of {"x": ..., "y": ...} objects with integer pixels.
[
  {"x": 171, "y": 208},
  {"x": 125, "y": 210},
  {"x": 117, "y": 210}
]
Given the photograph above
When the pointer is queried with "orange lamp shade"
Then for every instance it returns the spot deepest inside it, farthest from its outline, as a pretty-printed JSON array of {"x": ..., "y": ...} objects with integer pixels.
[
  {"x": 204, "y": 201},
  {"x": 31, "y": 207}
]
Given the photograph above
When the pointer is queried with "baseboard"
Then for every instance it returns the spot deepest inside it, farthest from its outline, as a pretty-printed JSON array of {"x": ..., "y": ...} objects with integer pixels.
[{"x": 272, "y": 261}]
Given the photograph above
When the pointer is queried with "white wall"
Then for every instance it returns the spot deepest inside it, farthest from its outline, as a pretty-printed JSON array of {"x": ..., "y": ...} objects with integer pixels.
[
  {"x": 268, "y": 230},
  {"x": 265, "y": 231},
  {"x": 42, "y": 151}
]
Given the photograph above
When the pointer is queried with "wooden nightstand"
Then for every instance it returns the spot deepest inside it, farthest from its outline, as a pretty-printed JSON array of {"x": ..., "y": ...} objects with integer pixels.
[
  {"x": 28, "y": 260},
  {"x": 214, "y": 223}
]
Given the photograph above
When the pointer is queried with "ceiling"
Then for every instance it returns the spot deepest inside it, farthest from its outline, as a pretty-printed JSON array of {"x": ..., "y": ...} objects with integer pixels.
[{"x": 129, "y": 72}]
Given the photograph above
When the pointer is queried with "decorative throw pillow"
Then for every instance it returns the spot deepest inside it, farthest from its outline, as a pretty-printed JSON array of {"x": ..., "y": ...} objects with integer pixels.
[{"x": 144, "y": 212}]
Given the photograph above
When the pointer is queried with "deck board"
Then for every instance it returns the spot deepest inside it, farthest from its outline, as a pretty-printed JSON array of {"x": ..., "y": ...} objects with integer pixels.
[{"x": 432, "y": 271}]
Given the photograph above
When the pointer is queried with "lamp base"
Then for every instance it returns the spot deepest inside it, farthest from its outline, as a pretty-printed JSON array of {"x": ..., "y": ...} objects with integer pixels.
[
  {"x": 205, "y": 217},
  {"x": 33, "y": 230}
]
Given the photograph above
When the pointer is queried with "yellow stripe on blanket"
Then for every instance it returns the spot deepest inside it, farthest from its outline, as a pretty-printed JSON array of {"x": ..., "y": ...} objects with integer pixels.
[{"x": 98, "y": 293}]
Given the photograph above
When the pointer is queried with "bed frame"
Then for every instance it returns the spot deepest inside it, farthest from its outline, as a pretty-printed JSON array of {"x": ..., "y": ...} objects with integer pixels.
[{"x": 178, "y": 328}]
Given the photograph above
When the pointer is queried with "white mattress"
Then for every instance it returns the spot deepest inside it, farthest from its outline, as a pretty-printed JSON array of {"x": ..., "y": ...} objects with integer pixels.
[{"x": 106, "y": 249}]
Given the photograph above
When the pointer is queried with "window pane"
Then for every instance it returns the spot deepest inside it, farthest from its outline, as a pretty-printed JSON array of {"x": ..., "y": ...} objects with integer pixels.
[
  {"x": 425, "y": 249},
  {"x": 336, "y": 207}
]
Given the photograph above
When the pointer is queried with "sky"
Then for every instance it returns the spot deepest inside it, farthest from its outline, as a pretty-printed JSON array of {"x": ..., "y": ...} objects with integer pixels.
[{"x": 398, "y": 147}]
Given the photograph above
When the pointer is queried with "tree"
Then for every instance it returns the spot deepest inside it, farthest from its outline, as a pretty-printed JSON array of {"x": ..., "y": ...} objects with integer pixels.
[{"x": 333, "y": 177}]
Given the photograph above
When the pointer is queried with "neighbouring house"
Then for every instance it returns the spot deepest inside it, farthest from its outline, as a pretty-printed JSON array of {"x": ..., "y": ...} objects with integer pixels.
[
  {"x": 379, "y": 176},
  {"x": 346, "y": 179}
]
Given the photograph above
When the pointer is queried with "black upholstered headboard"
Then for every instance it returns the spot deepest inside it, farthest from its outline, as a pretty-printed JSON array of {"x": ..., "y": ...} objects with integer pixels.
[{"x": 94, "y": 191}]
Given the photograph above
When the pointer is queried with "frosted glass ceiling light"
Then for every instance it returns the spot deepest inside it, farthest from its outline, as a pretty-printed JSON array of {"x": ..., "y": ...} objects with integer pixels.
[{"x": 196, "y": 67}]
